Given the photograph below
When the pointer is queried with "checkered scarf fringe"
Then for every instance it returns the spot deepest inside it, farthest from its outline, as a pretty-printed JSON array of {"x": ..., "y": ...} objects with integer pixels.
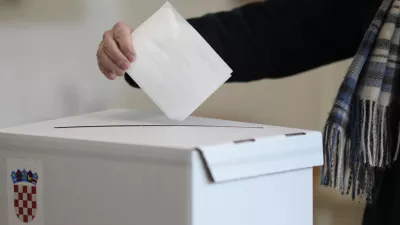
[{"x": 359, "y": 139}]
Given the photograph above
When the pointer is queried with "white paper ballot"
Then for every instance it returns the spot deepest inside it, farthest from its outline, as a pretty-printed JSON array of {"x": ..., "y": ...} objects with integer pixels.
[{"x": 174, "y": 65}]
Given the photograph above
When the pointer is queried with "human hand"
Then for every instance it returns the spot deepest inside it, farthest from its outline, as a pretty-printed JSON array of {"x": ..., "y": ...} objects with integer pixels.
[{"x": 116, "y": 52}]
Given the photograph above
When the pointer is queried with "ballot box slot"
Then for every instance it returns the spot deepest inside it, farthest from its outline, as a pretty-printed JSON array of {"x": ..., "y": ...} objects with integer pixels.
[{"x": 154, "y": 125}]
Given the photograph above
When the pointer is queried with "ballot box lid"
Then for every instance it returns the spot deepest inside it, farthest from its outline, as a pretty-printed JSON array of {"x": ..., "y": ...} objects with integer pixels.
[{"x": 226, "y": 147}]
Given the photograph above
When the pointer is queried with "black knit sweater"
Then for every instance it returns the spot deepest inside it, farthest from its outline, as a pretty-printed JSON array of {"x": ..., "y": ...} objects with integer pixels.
[{"x": 280, "y": 38}]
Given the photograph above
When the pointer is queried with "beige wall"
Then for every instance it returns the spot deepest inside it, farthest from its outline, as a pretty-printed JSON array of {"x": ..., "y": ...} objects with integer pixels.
[{"x": 48, "y": 70}]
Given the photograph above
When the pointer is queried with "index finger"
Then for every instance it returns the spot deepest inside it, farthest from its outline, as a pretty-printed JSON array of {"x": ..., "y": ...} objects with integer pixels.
[{"x": 122, "y": 35}]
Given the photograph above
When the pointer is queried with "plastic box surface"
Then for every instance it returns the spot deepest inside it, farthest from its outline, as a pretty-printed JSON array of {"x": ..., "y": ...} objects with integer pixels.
[{"x": 127, "y": 167}]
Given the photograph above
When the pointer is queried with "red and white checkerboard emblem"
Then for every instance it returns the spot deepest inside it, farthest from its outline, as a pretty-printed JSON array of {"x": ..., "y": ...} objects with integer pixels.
[
  {"x": 25, "y": 202},
  {"x": 25, "y": 195}
]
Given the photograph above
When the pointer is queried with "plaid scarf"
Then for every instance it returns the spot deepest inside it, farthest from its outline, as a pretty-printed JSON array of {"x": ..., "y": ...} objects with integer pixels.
[{"x": 359, "y": 139}]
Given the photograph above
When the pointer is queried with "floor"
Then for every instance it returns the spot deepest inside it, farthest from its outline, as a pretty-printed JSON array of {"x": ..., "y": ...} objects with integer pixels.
[
  {"x": 331, "y": 208},
  {"x": 338, "y": 216}
]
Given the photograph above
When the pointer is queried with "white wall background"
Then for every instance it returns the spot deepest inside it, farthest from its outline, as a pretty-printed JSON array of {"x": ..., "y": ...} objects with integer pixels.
[
  {"x": 48, "y": 66},
  {"x": 48, "y": 70}
]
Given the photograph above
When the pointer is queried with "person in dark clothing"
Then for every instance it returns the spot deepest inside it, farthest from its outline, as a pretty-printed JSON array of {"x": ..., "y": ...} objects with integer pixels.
[{"x": 276, "y": 39}]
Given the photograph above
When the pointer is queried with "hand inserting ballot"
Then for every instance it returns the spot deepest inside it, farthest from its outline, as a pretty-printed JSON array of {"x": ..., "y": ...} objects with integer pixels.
[{"x": 116, "y": 52}]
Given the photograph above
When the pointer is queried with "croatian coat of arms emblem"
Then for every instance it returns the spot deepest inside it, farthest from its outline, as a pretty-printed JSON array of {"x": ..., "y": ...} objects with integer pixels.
[{"x": 25, "y": 199}]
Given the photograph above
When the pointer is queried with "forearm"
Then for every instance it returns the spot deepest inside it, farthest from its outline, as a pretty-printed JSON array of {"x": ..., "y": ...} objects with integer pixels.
[{"x": 280, "y": 38}]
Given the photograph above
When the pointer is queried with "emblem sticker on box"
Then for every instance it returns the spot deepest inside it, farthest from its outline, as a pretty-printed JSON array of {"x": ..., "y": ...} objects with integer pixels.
[{"x": 24, "y": 192}]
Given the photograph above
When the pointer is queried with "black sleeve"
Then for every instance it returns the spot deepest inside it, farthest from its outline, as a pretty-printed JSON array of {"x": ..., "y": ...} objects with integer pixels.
[{"x": 280, "y": 38}]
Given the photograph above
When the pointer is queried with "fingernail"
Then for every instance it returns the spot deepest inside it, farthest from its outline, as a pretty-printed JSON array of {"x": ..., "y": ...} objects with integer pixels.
[
  {"x": 124, "y": 65},
  {"x": 112, "y": 76},
  {"x": 131, "y": 57}
]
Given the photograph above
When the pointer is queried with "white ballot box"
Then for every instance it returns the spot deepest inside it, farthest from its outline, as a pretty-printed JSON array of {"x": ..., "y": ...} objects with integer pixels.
[{"x": 122, "y": 167}]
